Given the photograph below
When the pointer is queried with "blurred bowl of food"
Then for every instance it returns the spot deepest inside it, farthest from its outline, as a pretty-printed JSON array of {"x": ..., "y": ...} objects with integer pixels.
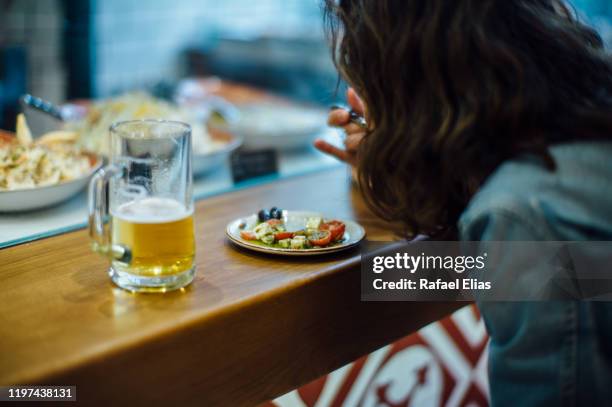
[
  {"x": 211, "y": 146},
  {"x": 204, "y": 163},
  {"x": 278, "y": 126},
  {"x": 35, "y": 174}
]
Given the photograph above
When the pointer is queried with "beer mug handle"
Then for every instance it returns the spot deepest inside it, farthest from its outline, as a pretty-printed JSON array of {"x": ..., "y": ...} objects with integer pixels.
[{"x": 99, "y": 229}]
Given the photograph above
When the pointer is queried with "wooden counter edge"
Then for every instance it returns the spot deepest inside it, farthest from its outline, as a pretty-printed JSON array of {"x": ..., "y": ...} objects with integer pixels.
[{"x": 280, "y": 341}]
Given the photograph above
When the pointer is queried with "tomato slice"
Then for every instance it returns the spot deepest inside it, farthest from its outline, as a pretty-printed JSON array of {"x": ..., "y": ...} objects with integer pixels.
[
  {"x": 283, "y": 235},
  {"x": 274, "y": 222},
  {"x": 248, "y": 235},
  {"x": 336, "y": 228},
  {"x": 320, "y": 238}
]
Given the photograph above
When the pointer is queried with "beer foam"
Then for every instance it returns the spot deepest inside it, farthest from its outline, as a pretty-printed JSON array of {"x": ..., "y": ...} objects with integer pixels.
[{"x": 152, "y": 210}]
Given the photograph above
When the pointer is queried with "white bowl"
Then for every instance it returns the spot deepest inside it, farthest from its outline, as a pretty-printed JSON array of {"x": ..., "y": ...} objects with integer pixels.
[
  {"x": 40, "y": 197},
  {"x": 206, "y": 162},
  {"x": 279, "y": 126}
]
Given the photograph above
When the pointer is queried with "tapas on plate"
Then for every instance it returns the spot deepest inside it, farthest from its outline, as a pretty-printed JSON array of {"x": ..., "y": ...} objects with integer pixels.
[{"x": 298, "y": 233}]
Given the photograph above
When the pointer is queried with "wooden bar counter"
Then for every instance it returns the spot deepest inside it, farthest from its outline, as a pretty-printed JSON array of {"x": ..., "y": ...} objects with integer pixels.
[{"x": 251, "y": 327}]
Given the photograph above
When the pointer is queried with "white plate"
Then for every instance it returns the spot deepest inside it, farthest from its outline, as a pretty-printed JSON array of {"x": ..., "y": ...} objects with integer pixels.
[
  {"x": 294, "y": 220},
  {"x": 278, "y": 126},
  {"x": 41, "y": 197}
]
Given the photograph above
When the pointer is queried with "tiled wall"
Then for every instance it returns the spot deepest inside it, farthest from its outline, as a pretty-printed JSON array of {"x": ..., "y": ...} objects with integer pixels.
[
  {"x": 138, "y": 43},
  {"x": 37, "y": 25}
]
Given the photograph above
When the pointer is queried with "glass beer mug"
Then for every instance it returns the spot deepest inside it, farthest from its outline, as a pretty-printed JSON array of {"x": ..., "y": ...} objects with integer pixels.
[{"x": 141, "y": 206}]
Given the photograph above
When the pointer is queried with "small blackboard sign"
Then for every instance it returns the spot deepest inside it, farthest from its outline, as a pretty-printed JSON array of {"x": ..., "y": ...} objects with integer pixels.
[{"x": 252, "y": 164}]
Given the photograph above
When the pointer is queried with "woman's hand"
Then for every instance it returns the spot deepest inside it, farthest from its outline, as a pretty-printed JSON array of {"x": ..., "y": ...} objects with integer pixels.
[{"x": 354, "y": 132}]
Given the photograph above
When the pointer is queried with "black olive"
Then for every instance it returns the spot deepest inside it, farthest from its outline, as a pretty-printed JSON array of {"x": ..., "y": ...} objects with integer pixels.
[
  {"x": 263, "y": 215},
  {"x": 276, "y": 213}
]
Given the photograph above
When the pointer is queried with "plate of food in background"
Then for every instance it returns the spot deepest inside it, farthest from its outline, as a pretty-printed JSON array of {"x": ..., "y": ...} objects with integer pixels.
[
  {"x": 294, "y": 233},
  {"x": 279, "y": 126},
  {"x": 37, "y": 173},
  {"x": 212, "y": 146}
]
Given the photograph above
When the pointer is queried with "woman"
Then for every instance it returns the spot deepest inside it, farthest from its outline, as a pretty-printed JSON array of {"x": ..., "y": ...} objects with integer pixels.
[{"x": 490, "y": 120}]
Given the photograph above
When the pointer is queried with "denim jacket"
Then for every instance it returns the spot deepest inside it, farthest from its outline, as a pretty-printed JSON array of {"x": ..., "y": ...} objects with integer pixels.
[{"x": 548, "y": 353}]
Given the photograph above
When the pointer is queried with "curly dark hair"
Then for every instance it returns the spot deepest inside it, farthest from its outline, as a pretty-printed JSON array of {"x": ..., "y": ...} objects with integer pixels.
[{"x": 455, "y": 87}]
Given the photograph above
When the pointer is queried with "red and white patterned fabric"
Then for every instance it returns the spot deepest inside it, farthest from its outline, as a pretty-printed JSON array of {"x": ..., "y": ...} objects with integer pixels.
[{"x": 443, "y": 364}]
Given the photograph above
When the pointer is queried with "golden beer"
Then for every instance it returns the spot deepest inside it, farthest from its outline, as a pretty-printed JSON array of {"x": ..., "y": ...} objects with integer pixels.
[{"x": 159, "y": 234}]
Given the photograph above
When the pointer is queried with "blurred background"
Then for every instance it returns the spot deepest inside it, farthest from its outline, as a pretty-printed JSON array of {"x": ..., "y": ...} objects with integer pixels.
[{"x": 69, "y": 49}]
